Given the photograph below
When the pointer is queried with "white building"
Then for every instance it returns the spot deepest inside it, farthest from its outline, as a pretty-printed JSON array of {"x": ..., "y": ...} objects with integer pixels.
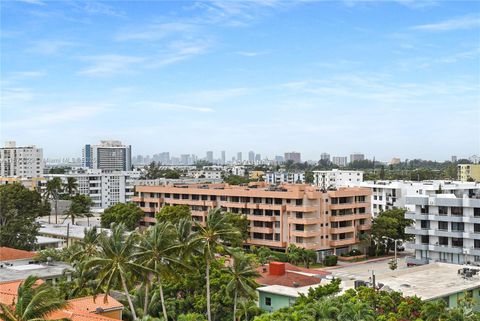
[
  {"x": 216, "y": 175},
  {"x": 387, "y": 195},
  {"x": 447, "y": 225},
  {"x": 285, "y": 177},
  {"x": 105, "y": 189},
  {"x": 110, "y": 155},
  {"x": 340, "y": 160},
  {"x": 337, "y": 178},
  {"x": 21, "y": 162}
]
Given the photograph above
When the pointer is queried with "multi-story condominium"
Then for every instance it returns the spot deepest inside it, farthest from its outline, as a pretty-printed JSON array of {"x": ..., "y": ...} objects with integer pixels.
[
  {"x": 110, "y": 155},
  {"x": 214, "y": 174},
  {"x": 327, "y": 222},
  {"x": 239, "y": 157},
  {"x": 223, "y": 159},
  {"x": 251, "y": 156},
  {"x": 325, "y": 157},
  {"x": 468, "y": 172},
  {"x": 387, "y": 195},
  {"x": 277, "y": 178},
  {"x": 293, "y": 156},
  {"x": 340, "y": 160},
  {"x": 21, "y": 162},
  {"x": 356, "y": 157},
  {"x": 209, "y": 156},
  {"x": 104, "y": 188},
  {"x": 447, "y": 226},
  {"x": 337, "y": 178}
]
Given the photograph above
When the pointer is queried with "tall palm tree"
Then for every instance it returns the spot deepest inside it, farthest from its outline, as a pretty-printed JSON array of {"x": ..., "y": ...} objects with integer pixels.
[
  {"x": 356, "y": 311},
  {"x": 246, "y": 308},
  {"x": 53, "y": 189},
  {"x": 71, "y": 185},
  {"x": 242, "y": 279},
  {"x": 115, "y": 260},
  {"x": 159, "y": 252},
  {"x": 209, "y": 237},
  {"x": 88, "y": 247},
  {"x": 34, "y": 303}
]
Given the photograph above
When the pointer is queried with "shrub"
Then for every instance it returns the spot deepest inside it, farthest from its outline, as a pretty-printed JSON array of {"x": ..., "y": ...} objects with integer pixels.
[{"x": 330, "y": 260}]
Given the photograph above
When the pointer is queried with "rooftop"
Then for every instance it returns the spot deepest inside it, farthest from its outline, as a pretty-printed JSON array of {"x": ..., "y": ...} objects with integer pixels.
[
  {"x": 43, "y": 271},
  {"x": 60, "y": 230},
  {"x": 288, "y": 275},
  {"x": 430, "y": 281},
  {"x": 10, "y": 254}
]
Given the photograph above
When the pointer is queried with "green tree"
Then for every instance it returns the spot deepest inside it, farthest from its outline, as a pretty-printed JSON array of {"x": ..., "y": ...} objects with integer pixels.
[
  {"x": 236, "y": 180},
  {"x": 52, "y": 191},
  {"x": 79, "y": 207},
  {"x": 209, "y": 238},
  {"x": 35, "y": 302},
  {"x": 242, "y": 282},
  {"x": 115, "y": 262},
  {"x": 390, "y": 225},
  {"x": 159, "y": 251},
  {"x": 127, "y": 214},
  {"x": 174, "y": 213},
  {"x": 241, "y": 222},
  {"x": 309, "y": 178},
  {"x": 19, "y": 207},
  {"x": 71, "y": 185}
]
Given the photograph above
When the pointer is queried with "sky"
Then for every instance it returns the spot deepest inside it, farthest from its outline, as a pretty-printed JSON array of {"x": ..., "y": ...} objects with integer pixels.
[{"x": 389, "y": 79}]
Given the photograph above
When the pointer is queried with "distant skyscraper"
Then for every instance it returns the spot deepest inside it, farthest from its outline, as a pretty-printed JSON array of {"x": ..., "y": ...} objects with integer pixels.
[
  {"x": 325, "y": 157},
  {"x": 279, "y": 159},
  {"x": 258, "y": 157},
  {"x": 164, "y": 158},
  {"x": 293, "y": 156},
  {"x": 251, "y": 156},
  {"x": 239, "y": 156},
  {"x": 110, "y": 155},
  {"x": 185, "y": 159},
  {"x": 340, "y": 160},
  {"x": 454, "y": 159},
  {"x": 223, "y": 157},
  {"x": 210, "y": 156},
  {"x": 357, "y": 157}
]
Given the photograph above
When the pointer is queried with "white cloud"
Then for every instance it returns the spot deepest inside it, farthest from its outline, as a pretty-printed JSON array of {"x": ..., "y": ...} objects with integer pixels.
[
  {"x": 35, "y": 2},
  {"x": 106, "y": 65},
  {"x": 50, "y": 46},
  {"x": 60, "y": 115},
  {"x": 251, "y": 53},
  {"x": 211, "y": 96},
  {"x": 157, "y": 31},
  {"x": 172, "y": 107},
  {"x": 10, "y": 96},
  {"x": 458, "y": 23}
]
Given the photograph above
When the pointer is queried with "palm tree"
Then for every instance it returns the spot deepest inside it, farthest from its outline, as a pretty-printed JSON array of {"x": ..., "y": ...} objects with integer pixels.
[
  {"x": 245, "y": 308},
  {"x": 209, "y": 237},
  {"x": 242, "y": 279},
  {"x": 88, "y": 247},
  {"x": 356, "y": 311},
  {"x": 34, "y": 303},
  {"x": 159, "y": 252},
  {"x": 53, "y": 189},
  {"x": 71, "y": 185},
  {"x": 115, "y": 261}
]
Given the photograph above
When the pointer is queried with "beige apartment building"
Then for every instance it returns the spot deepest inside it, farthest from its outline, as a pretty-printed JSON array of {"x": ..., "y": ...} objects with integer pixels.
[{"x": 328, "y": 222}]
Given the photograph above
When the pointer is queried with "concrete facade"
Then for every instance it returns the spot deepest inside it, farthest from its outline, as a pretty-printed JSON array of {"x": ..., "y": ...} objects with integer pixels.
[
  {"x": 285, "y": 178},
  {"x": 469, "y": 172},
  {"x": 337, "y": 178},
  {"x": 328, "y": 222},
  {"x": 21, "y": 162},
  {"x": 110, "y": 155}
]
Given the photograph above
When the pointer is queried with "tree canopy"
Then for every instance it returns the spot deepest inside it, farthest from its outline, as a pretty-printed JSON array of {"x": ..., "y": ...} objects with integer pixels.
[{"x": 127, "y": 214}]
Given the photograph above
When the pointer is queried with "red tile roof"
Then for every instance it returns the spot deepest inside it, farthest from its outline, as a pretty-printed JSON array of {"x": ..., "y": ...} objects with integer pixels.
[
  {"x": 294, "y": 276},
  {"x": 90, "y": 304},
  {"x": 9, "y": 254}
]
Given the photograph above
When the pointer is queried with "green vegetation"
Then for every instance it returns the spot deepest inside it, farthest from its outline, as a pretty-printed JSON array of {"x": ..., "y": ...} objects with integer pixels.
[
  {"x": 389, "y": 226},
  {"x": 153, "y": 171},
  {"x": 127, "y": 214},
  {"x": 173, "y": 213},
  {"x": 35, "y": 302},
  {"x": 330, "y": 260},
  {"x": 80, "y": 207},
  {"x": 53, "y": 190},
  {"x": 236, "y": 180},
  {"x": 59, "y": 170},
  {"x": 19, "y": 207}
]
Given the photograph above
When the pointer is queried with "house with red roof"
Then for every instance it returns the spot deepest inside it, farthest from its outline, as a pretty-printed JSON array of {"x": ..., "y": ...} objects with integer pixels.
[{"x": 282, "y": 283}]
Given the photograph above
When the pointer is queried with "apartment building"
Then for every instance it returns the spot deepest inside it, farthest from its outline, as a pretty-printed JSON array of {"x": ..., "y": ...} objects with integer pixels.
[
  {"x": 327, "y": 222},
  {"x": 110, "y": 155},
  {"x": 293, "y": 156},
  {"x": 356, "y": 157},
  {"x": 387, "y": 195},
  {"x": 447, "y": 225},
  {"x": 21, "y": 162},
  {"x": 468, "y": 172},
  {"x": 337, "y": 178},
  {"x": 340, "y": 160},
  {"x": 277, "y": 178},
  {"x": 104, "y": 188}
]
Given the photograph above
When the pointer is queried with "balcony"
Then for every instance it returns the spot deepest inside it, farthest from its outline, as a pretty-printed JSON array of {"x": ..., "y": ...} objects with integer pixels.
[
  {"x": 150, "y": 219},
  {"x": 305, "y": 233},
  {"x": 257, "y": 229},
  {"x": 269, "y": 243},
  {"x": 270, "y": 207},
  {"x": 346, "y": 242},
  {"x": 338, "y": 230},
  {"x": 305, "y": 221},
  {"x": 310, "y": 246},
  {"x": 262, "y": 218},
  {"x": 234, "y": 205},
  {"x": 364, "y": 227},
  {"x": 148, "y": 209},
  {"x": 253, "y": 206},
  {"x": 292, "y": 208},
  {"x": 174, "y": 201}
]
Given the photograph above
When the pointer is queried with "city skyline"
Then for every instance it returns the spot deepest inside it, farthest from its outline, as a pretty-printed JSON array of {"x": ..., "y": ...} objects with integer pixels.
[{"x": 388, "y": 79}]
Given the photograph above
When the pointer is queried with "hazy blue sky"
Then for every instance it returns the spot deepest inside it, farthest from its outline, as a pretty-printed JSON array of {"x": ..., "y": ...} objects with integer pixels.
[{"x": 391, "y": 78}]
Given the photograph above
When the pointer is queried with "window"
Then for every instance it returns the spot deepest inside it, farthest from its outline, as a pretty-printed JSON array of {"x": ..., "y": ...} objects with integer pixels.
[
  {"x": 458, "y": 227},
  {"x": 443, "y": 226},
  {"x": 456, "y": 242},
  {"x": 425, "y": 224},
  {"x": 456, "y": 210},
  {"x": 442, "y": 210},
  {"x": 476, "y": 212},
  {"x": 476, "y": 244},
  {"x": 476, "y": 228},
  {"x": 442, "y": 240},
  {"x": 425, "y": 239},
  {"x": 268, "y": 301}
]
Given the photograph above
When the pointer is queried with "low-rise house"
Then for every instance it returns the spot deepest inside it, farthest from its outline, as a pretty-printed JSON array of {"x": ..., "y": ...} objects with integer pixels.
[{"x": 282, "y": 283}]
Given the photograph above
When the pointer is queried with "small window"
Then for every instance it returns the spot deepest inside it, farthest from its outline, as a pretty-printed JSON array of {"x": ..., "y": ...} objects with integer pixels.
[{"x": 268, "y": 301}]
